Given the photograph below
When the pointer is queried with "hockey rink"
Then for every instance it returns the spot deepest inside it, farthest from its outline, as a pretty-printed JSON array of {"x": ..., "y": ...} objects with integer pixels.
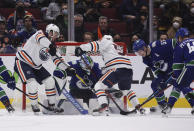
[{"x": 179, "y": 120}]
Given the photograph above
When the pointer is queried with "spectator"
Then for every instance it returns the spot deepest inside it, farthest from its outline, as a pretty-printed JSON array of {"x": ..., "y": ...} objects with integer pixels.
[
  {"x": 5, "y": 42},
  {"x": 163, "y": 36},
  {"x": 29, "y": 3},
  {"x": 88, "y": 37},
  {"x": 176, "y": 24},
  {"x": 3, "y": 30},
  {"x": 105, "y": 3},
  {"x": 142, "y": 23},
  {"x": 88, "y": 9},
  {"x": 79, "y": 27},
  {"x": 15, "y": 20},
  {"x": 103, "y": 29},
  {"x": 188, "y": 19},
  {"x": 26, "y": 32},
  {"x": 135, "y": 36},
  {"x": 129, "y": 9},
  {"x": 62, "y": 20},
  {"x": 52, "y": 11}
]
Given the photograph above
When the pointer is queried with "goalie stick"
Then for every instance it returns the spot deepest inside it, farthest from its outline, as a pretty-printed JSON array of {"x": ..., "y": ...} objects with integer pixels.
[
  {"x": 69, "y": 97},
  {"x": 45, "y": 107}
]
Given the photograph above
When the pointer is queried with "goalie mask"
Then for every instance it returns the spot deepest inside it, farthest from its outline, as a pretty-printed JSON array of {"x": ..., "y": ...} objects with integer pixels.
[
  {"x": 53, "y": 31},
  {"x": 86, "y": 63}
]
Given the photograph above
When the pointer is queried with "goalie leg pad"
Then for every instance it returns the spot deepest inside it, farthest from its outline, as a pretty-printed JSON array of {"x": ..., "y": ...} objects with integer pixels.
[{"x": 50, "y": 90}]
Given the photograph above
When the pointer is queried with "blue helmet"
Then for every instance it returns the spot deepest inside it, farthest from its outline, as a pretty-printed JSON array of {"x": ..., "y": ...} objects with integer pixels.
[
  {"x": 182, "y": 32},
  {"x": 138, "y": 45}
]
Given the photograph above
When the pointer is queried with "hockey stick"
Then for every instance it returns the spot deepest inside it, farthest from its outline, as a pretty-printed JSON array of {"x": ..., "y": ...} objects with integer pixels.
[
  {"x": 108, "y": 93},
  {"x": 73, "y": 101},
  {"x": 156, "y": 93},
  {"x": 69, "y": 67},
  {"x": 45, "y": 107}
]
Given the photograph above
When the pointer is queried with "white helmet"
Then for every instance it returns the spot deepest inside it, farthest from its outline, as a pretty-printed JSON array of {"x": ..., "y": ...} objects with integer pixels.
[{"x": 54, "y": 29}]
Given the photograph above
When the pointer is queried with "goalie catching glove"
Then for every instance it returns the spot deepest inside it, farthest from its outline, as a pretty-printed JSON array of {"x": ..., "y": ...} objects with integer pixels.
[
  {"x": 70, "y": 71},
  {"x": 79, "y": 51}
]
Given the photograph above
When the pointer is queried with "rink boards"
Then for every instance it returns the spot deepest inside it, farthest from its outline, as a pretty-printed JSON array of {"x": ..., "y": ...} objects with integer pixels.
[{"x": 141, "y": 79}]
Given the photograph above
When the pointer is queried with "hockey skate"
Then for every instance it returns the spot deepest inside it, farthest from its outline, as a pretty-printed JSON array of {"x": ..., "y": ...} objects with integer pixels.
[
  {"x": 9, "y": 107},
  {"x": 102, "y": 110},
  {"x": 157, "y": 109},
  {"x": 167, "y": 109},
  {"x": 53, "y": 108},
  {"x": 192, "y": 111},
  {"x": 35, "y": 109}
]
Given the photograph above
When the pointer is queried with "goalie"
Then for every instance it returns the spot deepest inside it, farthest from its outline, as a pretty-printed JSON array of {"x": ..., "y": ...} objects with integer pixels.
[{"x": 77, "y": 88}]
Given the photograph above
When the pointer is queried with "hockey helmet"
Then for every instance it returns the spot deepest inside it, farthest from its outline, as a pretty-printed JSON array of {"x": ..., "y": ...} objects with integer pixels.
[
  {"x": 86, "y": 61},
  {"x": 54, "y": 29},
  {"x": 138, "y": 45},
  {"x": 182, "y": 32}
]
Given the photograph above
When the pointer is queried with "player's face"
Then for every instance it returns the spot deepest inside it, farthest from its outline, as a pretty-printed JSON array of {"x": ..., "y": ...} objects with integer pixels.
[
  {"x": 141, "y": 52},
  {"x": 53, "y": 35}
]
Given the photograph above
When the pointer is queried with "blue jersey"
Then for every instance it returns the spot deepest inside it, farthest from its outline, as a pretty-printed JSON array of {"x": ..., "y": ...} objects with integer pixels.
[
  {"x": 183, "y": 56},
  {"x": 161, "y": 53},
  {"x": 4, "y": 75},
  {"x": 92, "y": 78}
]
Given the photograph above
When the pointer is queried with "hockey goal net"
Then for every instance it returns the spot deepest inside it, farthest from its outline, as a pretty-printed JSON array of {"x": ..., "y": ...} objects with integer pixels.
[{"x": 66, "y": 49}]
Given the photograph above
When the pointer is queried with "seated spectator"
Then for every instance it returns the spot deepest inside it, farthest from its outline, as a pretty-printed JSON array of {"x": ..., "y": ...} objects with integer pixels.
[
  {"x": 176, "y": 24},
  {"x": 142, "y": 23},
  {"x": 88, "y": 37},
  {"x": 79, "y": 27},
  {"x": 5, "y": 42},
  {"x": 61, "y": 38},
  {"x": 52, "y": 11},
  {"x": 3, "y": 30},
  {"x": 105, "y": 3},
  {"x": 163, "y": 36},
  {"x": 188, "y": 19},
  {"x": 26, "y": 32},
  {"x": 134, "y": 37},
  {"x": 103, "y": 29},
  {"x": 62, "y": 21},
  {"x": 88, "y": 9},
  {"x": 29, "y": 3},
  {"x": 129, "y": 9},
  {"x": 15, "y": 20}
]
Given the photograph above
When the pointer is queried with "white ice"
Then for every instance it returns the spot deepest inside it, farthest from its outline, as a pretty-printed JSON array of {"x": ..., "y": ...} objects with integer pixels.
[{"x": 180, "y": 120}]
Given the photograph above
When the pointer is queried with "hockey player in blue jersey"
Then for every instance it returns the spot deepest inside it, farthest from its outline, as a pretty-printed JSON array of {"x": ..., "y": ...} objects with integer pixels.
[
  {"x": 158, "y": 56},
  {"x": 5, "y": 77},
  {"x": 183, "y": 66},
  {"x": 77, "y": 88}
]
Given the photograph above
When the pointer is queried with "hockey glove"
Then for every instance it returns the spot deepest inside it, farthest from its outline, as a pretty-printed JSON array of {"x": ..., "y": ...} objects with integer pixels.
[
  {"x": 70, "y": 71},
  {"x": 52, "y": 49},
  {"x": 11, "y": 83},
  {"x": 172, "y": 81},
  {"x": 60, "y": 74},
  {"x": 79, "y": 51}
]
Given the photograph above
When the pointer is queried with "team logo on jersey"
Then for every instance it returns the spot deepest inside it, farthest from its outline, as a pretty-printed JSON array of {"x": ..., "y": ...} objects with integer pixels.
[
  {"x": 157, "y": 55},
  {"x": 43, "y": 54},
  {"x": 154, "y": 44}
]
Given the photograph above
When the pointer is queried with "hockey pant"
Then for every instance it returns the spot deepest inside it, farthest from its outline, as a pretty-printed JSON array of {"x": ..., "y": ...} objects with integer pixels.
[{"x": 123, "y": 77}]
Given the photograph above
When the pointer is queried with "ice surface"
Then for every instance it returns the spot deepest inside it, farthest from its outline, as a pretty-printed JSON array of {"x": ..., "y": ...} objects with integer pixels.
[{"x": 180, "y": 120}]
